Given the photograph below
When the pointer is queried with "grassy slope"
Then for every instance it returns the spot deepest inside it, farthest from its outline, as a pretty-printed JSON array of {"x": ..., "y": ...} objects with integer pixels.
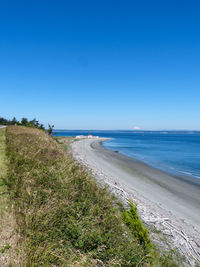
[
  {"x": 2, "y": 164},
  {"x": 7, "y": 222},
  {"x": 63, "y": 217}
]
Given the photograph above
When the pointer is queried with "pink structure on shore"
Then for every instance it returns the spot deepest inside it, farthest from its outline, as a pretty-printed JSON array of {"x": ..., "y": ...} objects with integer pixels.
[{"x": 90, "y": 136}]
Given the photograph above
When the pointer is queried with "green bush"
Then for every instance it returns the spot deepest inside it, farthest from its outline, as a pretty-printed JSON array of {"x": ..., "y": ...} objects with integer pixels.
[{"x": 131, "y": 218}]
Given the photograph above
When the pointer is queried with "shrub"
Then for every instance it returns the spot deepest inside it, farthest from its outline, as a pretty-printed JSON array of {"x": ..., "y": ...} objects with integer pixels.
[{"x": 131, "y": 218}]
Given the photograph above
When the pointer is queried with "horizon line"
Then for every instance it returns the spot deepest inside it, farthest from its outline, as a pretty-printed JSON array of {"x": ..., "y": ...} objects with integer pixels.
[{"x": 141, "y": 130}]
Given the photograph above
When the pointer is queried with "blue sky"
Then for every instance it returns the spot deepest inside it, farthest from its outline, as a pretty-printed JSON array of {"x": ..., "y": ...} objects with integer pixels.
[{"x": 101, "y": 64}]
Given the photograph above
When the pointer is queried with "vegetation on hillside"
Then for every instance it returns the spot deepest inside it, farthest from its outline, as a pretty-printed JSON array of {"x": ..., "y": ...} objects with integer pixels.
[
  {"x": 27, "y": 123},
  {"x": 131, "y": 218},
  {"x": 62, "y": 216},
  {"x": 7, "y": 222},
  {"x": 24, "y": 122}
]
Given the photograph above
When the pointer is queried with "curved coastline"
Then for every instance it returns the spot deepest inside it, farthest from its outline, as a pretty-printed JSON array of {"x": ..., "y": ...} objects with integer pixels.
[{"x": 175, "y": 174}]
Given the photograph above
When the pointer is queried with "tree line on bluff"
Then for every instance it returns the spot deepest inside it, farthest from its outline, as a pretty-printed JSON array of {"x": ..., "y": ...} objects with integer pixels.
[{"x": 27, "y": 123}]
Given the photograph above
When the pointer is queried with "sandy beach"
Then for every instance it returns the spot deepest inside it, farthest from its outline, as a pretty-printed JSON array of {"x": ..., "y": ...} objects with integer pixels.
[{"x": 165, "y": 201}]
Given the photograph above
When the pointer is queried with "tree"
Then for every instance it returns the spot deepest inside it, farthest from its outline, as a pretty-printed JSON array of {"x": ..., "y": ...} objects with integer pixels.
[
  {"x": 14, "y": 121},
  {"x": 41, "y": 127},
  {"x": 50, "y": 129},
  {"x": 24, "y": 121},
  {"x": 35, "y": 123},
  {"x": 3, "y": 121}
]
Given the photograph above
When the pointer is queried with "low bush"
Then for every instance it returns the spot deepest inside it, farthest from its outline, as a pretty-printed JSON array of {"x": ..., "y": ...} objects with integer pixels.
[{"x": 131, "y": 218}]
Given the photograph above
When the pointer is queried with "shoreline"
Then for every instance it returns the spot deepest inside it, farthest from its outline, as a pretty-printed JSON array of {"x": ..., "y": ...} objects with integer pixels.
[
  {"x": 185, "y": 178},
  {"x": 175, "y": 173},
  {"x": 163, "y": 199},
  {"x": 151, "y": 176}
]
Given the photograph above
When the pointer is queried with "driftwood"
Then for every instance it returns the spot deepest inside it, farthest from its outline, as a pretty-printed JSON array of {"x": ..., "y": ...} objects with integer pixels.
[
  {"x": 157, "y": 220},
  {"x": 190, "y": 248},
  {"x": 191, "y": 251},
  {"x": 188, "y": 242}
]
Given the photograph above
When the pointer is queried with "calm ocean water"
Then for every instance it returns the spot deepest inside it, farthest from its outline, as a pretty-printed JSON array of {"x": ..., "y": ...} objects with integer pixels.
[{"x": 173, "y": 152}]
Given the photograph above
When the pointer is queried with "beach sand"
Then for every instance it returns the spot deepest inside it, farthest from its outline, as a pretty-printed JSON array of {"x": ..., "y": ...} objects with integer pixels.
[{"x": 168, "y": 202}]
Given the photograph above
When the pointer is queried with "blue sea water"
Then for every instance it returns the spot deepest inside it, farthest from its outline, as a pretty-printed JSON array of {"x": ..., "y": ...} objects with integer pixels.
[{"x": 172, "y": 151}]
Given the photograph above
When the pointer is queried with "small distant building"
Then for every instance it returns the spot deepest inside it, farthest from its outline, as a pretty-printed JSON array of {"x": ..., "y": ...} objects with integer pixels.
[
  {"x": 80, "y": 136},
  {"x": 92, "y": 136},
  {"x": 89, "y": 136}
]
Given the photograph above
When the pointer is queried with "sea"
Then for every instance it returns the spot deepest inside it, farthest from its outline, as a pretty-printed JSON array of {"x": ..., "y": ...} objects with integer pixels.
[{"x": 175, "y": 152}]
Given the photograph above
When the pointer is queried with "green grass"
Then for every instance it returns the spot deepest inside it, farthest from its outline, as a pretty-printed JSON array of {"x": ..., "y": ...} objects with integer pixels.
[
  {"x": 2, "y": 153},
  {"x": 3, "y": 203},
  {"x": 62, "y": 216},
  {"x": 65, "y": 141},
  {"x": 7, "y": 234},
  {"x": 62, "y": 138}
]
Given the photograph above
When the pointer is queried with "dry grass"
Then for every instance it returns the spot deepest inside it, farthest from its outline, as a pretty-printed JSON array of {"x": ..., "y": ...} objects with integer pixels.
[
  {"x": 8, "y": 236},
  {"x": 63, "y": 217}
]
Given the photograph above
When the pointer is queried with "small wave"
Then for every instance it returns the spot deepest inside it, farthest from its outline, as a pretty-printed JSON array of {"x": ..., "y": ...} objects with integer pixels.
[
  {"x": 187, "y": 173},
  {"x": 172, "y": 168},
  {"x": 190, "y": 174},
  {"x": 197, "y": 177},
  {"x": 164, "y": 132}
]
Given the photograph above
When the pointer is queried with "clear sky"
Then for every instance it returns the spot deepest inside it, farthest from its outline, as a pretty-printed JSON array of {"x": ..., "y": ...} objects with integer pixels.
[{"x": 101, "y": 64}]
